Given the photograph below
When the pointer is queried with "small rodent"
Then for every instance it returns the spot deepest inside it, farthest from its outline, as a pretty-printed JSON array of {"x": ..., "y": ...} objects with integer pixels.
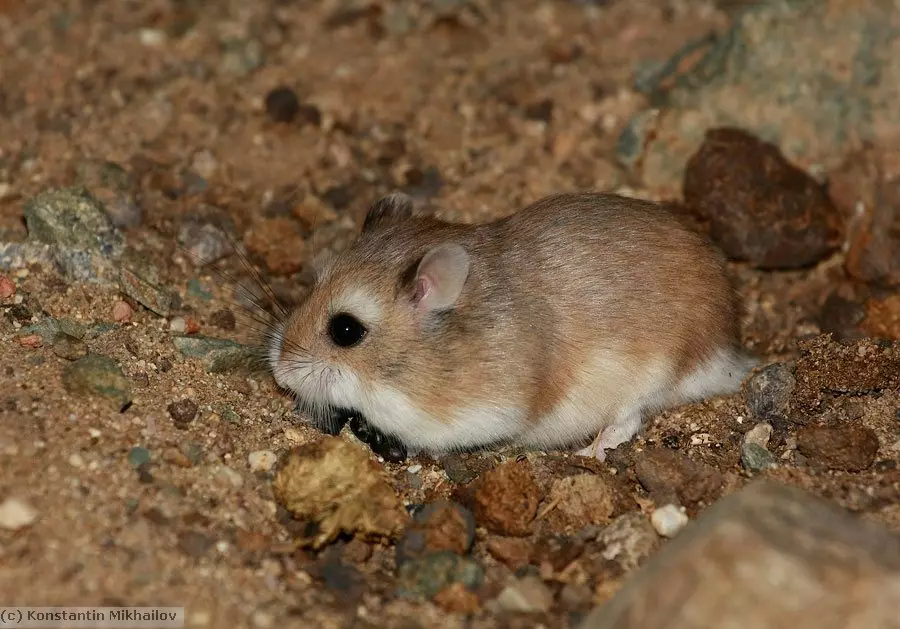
[{"x": 562, "y": 324}]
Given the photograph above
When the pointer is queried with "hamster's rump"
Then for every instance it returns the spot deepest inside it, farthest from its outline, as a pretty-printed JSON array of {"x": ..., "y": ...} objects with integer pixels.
[{"x": 566, "y": 320}]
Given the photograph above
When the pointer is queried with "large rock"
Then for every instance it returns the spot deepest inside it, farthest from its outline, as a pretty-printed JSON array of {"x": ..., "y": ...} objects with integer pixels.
[
  {"x": 814, "y": 76},
  {"x": 767, "y": 556}
]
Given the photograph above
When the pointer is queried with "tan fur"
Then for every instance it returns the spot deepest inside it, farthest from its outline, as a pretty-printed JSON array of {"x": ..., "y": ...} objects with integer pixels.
[{"x": 549, "y": 287}]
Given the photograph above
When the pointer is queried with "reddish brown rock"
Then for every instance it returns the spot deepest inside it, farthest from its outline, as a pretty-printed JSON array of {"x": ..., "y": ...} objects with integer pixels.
[
  {"x": 506, "y": 498},
  {"x": 882, "y": 318},
  {"x": 760, "y": 208},
  {"x": 279, "y": 242},
  {"x": 671, "y": 477},
  {"x": 851, "y": 448},
  {"x": 438, "y": 526},
  {"x": 514, "y": 552}
]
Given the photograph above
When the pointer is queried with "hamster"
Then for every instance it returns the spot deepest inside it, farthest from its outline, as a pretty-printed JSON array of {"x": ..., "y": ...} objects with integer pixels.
[{"x": 560, "y": 326}]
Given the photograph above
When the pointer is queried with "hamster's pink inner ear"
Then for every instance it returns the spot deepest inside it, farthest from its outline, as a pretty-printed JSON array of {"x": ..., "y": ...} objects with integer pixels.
[
  {"x": 440, "y": 277},
  {"x": 390, "y": 208}
]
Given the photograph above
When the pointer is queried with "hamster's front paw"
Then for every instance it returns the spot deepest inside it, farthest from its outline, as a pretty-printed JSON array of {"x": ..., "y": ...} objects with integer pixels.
[{"x": 386, "y": 446}]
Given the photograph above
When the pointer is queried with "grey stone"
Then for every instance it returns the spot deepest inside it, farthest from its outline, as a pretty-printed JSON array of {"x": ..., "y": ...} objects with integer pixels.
[
  {"x": 768, "y": 392},
  {"x": 219, "y": 355},
  {"x": 424, "y": 577},
  {"x": 98, "y": 375},
  {"x": 141, "y": 281},
  {"x": 756, "y": 458},
  {"x": 813, "y": 79}
]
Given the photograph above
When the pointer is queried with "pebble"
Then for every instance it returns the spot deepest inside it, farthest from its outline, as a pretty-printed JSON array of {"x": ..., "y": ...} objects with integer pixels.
[
  {"x": 851, "y": 448},
  {"x": 71, "y": 218},
  {"x": 138, "y": 456},
  {"x": 756, "y": 458},
  {"x": 16, "y": 514},
  {"x": 30, "y": 340},
  {"x": 262, "y": 460},
  {"x": 280, "y": 242},
  {"x": 177, "y": 325},
  {"x": 457, "y": 470},
  {"x": 628, "y": 540},
  {"x": 514, "y": 552},
  {"x": 759, "y": 434},
  {"x": 7, "y": 287},
  {"x": 141, "y": 281},
  {"x": 439, "y": 526},
  {"x": 528, "y": 595},
  {"x": 425, "y": 577},
  {"x": 182, "y": 412},
  {"x": 582, "y": 500},
  {"x": 668, "y": 520},
  {"x": 219, "y": 355},
  {"x": 282, "y": 104},
  {"x": 760, "y": 208},
  {"x": 506, "y": 498},
  {"x": 768, "y": 392},
  {"x": 203, "y": 241},
  {"x": 98, "y": 375},
  {"x": 673, "y": 477},
  {"x": 121, "y": 312},
  {"x": 414, "y": 469},
  {"x": 76, "y": 460},
  {"x": 457, "y": 599},
  {"x": 68, "y": 347}
]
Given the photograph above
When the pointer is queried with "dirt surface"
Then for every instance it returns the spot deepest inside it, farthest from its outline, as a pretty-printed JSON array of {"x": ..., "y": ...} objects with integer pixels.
[{"x": 150, "y": 480}]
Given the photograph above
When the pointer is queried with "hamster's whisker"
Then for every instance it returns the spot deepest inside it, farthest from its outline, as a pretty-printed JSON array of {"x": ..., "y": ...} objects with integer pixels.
[{"x": 257, "y": 277}]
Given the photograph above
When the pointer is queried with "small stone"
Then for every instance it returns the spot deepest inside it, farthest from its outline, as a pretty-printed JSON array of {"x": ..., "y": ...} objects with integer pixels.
[
  {"x": 628, "y": 540},
  {"x": 251, "y": 541},
  {"x": 514, "y": 552},
  {"x": 223, "y": 319},
  {"x": 576, "y": 597},
  {"x": 768, "y": 392},
  {"x": 457, "y": 599},
  {"x": 121, "y": 312},
  {"x": 882, "y": 318},
  {"x": 177, "y": 325},
  {"x": 138, "y": 456},
  {"x": 16, "y": 514},
  {"x": 582, "y": 500},
  {"x": 756, "y": 458},
  {"x": 194, "y": 543},
  {"x": 262, "y": 460},
  {"x": 759, "y": 434},
  {"x": 668, "y": 520},
  {"x": 204, "y": 241},
  {"x": 437, "y": 527},
  {"x": 71, "y": 218},
  {"x": 293, "y": 436},
  {"x": 182, "y": 412},
  {"x": 177, "y": 457},
  {"x": 30, "y": 340},
  {"x": 282, "y": 104},
  {"x": 76, "y": 460},
  {"x": 414, "y": 469},
  {"x": 68, "y": 347},
  {"x": 851, "y": 448},
  {"x": 506, "y": 499},
  {"x": 673, "y": 477},
  {"x": 425, "y": 577},
  {"x": 98, "y": 375},
  {"x": 760, "y": 208},
  {"x": 205, "y": 164},
  {"x": 219, "y": 355},
  {"x": 140, "y": 280},
  {"x": 7, "y": 287},
  {"x": 191, "y": 325},
  {"x": 152, "y": 37},
  {"x": 528, "y": 595}
]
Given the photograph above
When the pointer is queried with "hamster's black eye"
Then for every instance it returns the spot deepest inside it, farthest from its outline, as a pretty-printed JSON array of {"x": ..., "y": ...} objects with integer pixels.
[{"x": 346, "y": 330}]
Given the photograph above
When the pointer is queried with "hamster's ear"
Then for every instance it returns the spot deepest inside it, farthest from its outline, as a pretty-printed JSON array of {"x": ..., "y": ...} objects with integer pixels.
[
  {"x": 389, "y": 209},
  {"x": 440, "y": 277}
]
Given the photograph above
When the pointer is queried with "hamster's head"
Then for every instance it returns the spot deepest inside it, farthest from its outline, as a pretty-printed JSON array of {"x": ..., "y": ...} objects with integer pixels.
[{"x": 370, "y": 319}]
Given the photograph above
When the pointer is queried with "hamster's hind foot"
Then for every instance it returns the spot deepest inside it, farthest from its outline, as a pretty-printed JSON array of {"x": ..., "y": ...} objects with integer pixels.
[{"x": 612, "y": 436}]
